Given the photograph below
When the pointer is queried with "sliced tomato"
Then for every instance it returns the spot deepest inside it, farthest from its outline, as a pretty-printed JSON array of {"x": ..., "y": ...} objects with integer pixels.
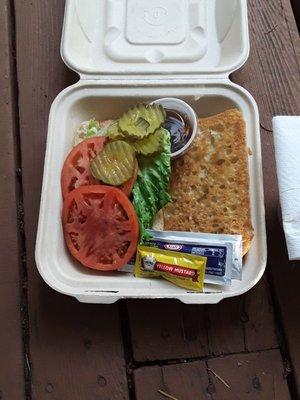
[
  {"x": 76, "y": 170},
  {"x": 100, "y": 227},
  {"x": 128, "y": 186}
]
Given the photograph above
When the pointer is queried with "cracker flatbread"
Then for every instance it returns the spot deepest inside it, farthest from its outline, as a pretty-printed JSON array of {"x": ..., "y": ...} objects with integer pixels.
[{"x": 210, "y": 183}]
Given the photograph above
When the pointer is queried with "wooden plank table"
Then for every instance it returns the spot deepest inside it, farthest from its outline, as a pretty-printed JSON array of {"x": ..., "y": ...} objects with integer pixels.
[
  {"x": 11, "y": 299},
  {"x": 51, "y": 346}
]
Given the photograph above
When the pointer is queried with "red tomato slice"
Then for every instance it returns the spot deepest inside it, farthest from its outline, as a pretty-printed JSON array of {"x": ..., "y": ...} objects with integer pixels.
[
  {"x": 100, "y": 227},
  {"x": 128, "y": 186},
  {"x": 76, "y": 170}
]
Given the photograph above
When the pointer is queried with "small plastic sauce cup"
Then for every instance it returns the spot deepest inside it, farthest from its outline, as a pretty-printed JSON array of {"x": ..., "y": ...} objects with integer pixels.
[{"x": 184, "y": 109}]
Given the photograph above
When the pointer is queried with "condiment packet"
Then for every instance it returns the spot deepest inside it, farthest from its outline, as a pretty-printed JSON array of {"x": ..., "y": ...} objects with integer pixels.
[
  {"x": 184, "y": 270},
  {"x": 223, "y": 252}
]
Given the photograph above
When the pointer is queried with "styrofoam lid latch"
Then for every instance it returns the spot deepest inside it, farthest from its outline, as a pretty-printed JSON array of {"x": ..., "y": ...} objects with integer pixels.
[{"x": 142, "y": 37}]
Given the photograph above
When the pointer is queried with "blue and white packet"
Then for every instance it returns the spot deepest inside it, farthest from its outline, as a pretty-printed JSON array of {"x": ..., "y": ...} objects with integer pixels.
[{"x": 223, "y": 252}]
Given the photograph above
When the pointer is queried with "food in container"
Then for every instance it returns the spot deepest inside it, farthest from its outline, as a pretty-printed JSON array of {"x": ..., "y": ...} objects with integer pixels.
[
  {"x": 142, "y": 120},
  {"x": 114, "y": 163},
  {"x": 107, "y": 160},
  {"x": 76, "y": 170},
  {"x": 100, "y": 227},
  {"x": 123, "y": 61}
]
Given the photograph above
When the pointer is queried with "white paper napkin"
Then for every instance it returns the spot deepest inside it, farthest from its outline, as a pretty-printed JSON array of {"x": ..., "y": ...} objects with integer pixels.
[{"x": 286, "y": 131}]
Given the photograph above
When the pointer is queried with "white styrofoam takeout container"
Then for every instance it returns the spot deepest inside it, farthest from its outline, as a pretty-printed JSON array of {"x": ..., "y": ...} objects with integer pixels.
[{"x": 127, "y": 51}]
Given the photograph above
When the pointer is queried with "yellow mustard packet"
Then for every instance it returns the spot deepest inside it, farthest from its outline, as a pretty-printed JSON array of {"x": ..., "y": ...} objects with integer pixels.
[{"x": 185, "y": 270}]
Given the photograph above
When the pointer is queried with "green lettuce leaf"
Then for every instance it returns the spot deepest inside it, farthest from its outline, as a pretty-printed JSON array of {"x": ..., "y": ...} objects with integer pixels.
[
  {"x": 151, "y": 190},
  {"x": 93, "y": 128}
]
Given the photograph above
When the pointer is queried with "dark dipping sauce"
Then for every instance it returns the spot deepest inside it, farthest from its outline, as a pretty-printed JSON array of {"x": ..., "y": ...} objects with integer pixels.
[{"x": 179, "y": 127}]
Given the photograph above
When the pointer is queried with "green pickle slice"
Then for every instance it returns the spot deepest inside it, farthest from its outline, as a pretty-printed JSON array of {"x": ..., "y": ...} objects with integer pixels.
[
  {"x": 114, "y": 132},
  {"x": 115, "y": 164},
  {"x": 150, "y": 144},
  {"x": 142, "y": 120}
]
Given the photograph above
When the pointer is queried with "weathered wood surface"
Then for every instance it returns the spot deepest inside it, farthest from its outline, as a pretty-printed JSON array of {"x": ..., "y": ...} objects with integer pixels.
[
  {"x": 173, "y": 331},
  {"x": 75, "y": 350},
  {"x": 258, "y": 317},
  {"x": 253, "y": 376},
  {"x": 177, "y": 331},
  {"x": 11, "y": 352},
  {"x": 182, "y": 381}
]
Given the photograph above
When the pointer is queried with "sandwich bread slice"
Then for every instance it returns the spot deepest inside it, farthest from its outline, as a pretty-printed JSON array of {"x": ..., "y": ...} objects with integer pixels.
[{"x": 210, "y": 183}]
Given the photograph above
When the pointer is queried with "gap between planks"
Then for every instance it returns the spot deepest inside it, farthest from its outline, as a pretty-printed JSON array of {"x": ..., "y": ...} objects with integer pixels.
[
  {"x": 283, "y": 348},
  {"x": 133, "y": 365},
  {"x": 20, "y": 207},
  {"x": 127, "y": 347}
]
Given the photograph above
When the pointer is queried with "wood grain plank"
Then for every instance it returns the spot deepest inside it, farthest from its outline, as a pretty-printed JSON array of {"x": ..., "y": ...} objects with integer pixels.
[
  {"x": 76, "y": 350},
  {"x": 249, "y": 376},
  {"x": 258, "y": 318},
  {"x": 226, "y": 331},
  {"x": 271, "y": 73},
  {"x": 296, "y": 11},
  {"x": 178, "y": 331},
  {"x": 243, "y": 323},
  {"x": 183, "y": 381},
  {"x": 285, "y": 277},
  {"x": 292, "y": 15},
  {"x": 173, "y": 331},
  {"x": 11, "y": 349},
  {"x": 255, "y": 376},
  {"x": 272, "y": 76}
]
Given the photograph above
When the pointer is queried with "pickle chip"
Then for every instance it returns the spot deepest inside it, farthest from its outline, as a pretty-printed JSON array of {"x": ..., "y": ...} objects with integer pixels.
[
  {"x": 114, "y": 132},
  {"x": 150, "y": 144},
  {"x": 115, "y": 164},
  {"x": 142, "y": 120}
]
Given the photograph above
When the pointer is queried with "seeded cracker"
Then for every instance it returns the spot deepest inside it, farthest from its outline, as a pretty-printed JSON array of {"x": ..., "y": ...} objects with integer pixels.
[{"x": 210, "y": 183}]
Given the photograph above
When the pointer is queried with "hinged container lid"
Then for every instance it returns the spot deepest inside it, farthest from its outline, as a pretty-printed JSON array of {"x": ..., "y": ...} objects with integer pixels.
[{"x": 155, "y": 37}]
